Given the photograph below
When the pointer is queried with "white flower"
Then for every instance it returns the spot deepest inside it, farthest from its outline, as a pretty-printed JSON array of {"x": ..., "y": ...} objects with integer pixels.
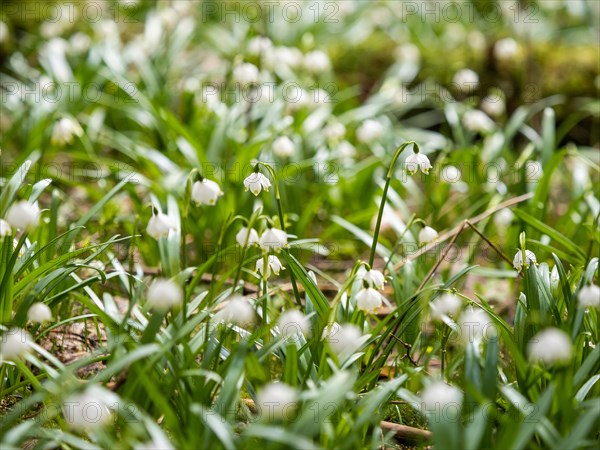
[
  {"x": 427, "y": 235},
  {"x": 273, "y": 239},
  {"x": 205, "y": 192},
  {"x": 276, "y": 401},
  {"x": 4, "y": 32},
  {"x": 164, "y": 294},
  {"x": 90, "y": 409},
  {"x": 64, "y": 130},
  {"x": 493, "y": 105},
  {"x": 157, "y": 443},
  {"x": 283, "y": 56},
  {"x": 409, "y": 53},
  {"x": 466, "y": 79},
  {"x": 159, "y": 225},
  {"x": 335, "y": 131},
  {"x": 446, "y": 305},
  {"x": 451, "y": 174},
  {"x": 439, "y": 395},
  {"x": 477, "y": 121},
  {"x": 15, "y": 343},
  {"x": 244, "y": 235},
  {"x": 23, "y": 215},
  {"x": 417, "y": 161},
  {"x": 259, "y": 45},
  {"x": 39, "y": 312},
  {"x": 293, "y": 323},
  {"x": 476, "y": 325},
  {"x": 316, "y": 61},
  {"x": 5, "y": 229},
  {"x": 369, "y": 131},
  {"x": 589, "y": 296},
  {"x": 506, "y": 49},
  {"x": 79, "y": 43},
  {"x": 256, "y": 182},
  {"x": 503, "y": 218},
  {"x": 374, "y": 279},
  {"x": 237, "y": 311},
  {"x": 550, "y": 346},
  {"x": 369, "y": 300},
  {"x": 284, "y": 147},
  {"x": 273, "y": 265},
  {"x": 343, "y": 339},
  {"x": 529, "y": 259},
  {"x": 246, "y": 73}
]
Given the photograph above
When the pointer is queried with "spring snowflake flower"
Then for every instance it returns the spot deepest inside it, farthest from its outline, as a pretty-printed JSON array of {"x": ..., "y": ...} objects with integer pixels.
[
  {"x": 273, "y": 239},
  {"x": 343, "y": 339},
  {"x": 255, "y": 182},
  {"x": 503, "y": 218},
  {"x": 346, "y": 150},
  {"x": 466, "y": 79},
  {"x": 276, "y": 401},
  {"x": 5, "y": 229},
  {"x": 477, "y": 121},
  {"x": 493, "y": 105},
  {"x": 4, "y": 32},
  {"x": 159, "y": 225},
  {"x": 39, "y": 312},
  {"x": 316, "y": 61},
  {"x": 529, "y": 259},
  {"x": 334, "y": 131},
  {"x": 273, "y": 265},
  {"x": 369, "y": 131},
  {"x": 205, "y": 192},
  {"x": 476, "y": 325},
  {"x": 23, "y": 215},
  {"x": 417, "y": 161},
  {"x": 258, "y": 45},
  {"x": 246, "y": 73},
  {"x": 550, "y": 346},
  {"x": 65, "y": 130},
  {"x": 438, "y": 395},
  {"x": 247, "y": 235},
  {"x": 506, "y": 49},
  {"x": 589, "y": 296},
  {"x": 164, "y": 294},
  {"x": 446, "y": 305},
  {"x": 89, "y": 410},
  {"x": 369, "y": 300},
  {"x": 374, "y": 279},
  {"x": 427, "y": 235},
  {"x": 284, "y": 147},
  {"x": 293, "y": 323},
  {"x": 237, "y": 311},
  {"x": 15, "y": 343}
]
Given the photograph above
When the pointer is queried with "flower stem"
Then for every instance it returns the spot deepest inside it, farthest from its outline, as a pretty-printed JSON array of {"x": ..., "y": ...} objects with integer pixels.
[{"x": 388, "y": 179}]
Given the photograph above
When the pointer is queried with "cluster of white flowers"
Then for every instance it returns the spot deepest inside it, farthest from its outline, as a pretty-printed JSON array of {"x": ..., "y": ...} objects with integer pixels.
[{"x": 368, "y": 298}]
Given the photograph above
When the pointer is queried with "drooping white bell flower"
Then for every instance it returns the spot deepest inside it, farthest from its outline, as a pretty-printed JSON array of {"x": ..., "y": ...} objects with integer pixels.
[
  {"x": 255, "y": 182},
  {"x": 164, "y": 294},
  {"x": 90, "y": 409},
  {"x": 369, "y": 131},
  {"x": 550, "y": 346},
  {"x": 246, "y": 73},
  {"x": 427, "y": 235},
  {"x": 478, "y": 122},
  {"x": 258, "y": 45},
  {"x": 247, "y": 237},
  {"x": 277, "y": 401},
  {"x": 346, "y": 151},
  {"x": 439, "y": 395},
  {"x": 476, "y": 325},
  {"x": 273, "y": 239},
  {"x": 205, "y": 192},
  {"x": 65, "y": 130},
  {"x": 15, "y": 343},
  {"x": 5, "y": 229},
  {"x": 23, "y": 215},
  {"x": 273, "y": 265},
  {"x": 529, "y": 259},
  {"x": 369, "y": 300},
  {"x": 334, "y": 131},
  {"x": 237, "y": 311},
  {"x": 417, "y": 161},
  {"x": 374, "y": 279},
  {"x": 506, "y": 49},
  {"x": 466, "y": 79},
  {"x": 446, "y": 305},
  {"x": 284, "y": 147},
  {"x": 316, "y": 61},
  {"x": 39, "y": 312},
  {"x": 589, "y": 296},
  {"x": 493, "y": 105},
  {"x": 159, "y": 225},
  {"x": 343, "y": 339},
  {"x": 293, "y": 323}
]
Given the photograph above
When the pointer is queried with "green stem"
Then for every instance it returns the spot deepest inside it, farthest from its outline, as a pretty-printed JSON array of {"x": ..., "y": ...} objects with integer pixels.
[
  {"x": 388, "y": 179},
  {"x": 277, "y": 194}
]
